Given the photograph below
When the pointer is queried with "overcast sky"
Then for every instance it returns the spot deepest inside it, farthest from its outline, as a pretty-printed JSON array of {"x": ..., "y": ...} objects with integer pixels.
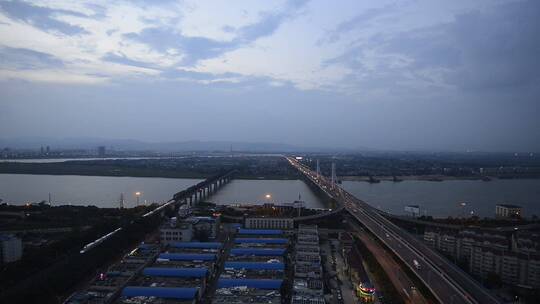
[{"x": 408, "y": 75}]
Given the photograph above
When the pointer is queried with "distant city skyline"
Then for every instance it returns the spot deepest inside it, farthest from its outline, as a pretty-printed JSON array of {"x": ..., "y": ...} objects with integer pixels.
[{"x": 388, "y": 75}]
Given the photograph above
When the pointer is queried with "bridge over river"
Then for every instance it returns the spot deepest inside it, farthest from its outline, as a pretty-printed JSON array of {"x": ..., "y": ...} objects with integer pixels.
[{"x": 447, "y": 282}]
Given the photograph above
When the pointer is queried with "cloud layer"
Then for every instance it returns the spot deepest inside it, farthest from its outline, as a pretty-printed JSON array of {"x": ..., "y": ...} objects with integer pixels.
[{"x": 388, "y": 54}]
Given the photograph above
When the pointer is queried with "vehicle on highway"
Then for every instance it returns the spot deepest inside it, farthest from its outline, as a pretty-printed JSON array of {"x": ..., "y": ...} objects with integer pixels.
[{"x": 416, "y": 264}]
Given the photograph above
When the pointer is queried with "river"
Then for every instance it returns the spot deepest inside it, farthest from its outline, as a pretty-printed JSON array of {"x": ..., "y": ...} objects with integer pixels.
[
  {"x": 105, "y": 191},
  {"x": 256, "y": 191},
  {"x": 439, "y": 199},
  {"x": 101, "y": 191},
  {"x": 442, "y": 199}
]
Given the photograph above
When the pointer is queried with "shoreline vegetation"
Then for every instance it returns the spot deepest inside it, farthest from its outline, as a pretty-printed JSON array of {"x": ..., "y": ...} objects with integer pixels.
[
  {"x": 428, "y": 178},
  {"x": 123, "y": 171}
]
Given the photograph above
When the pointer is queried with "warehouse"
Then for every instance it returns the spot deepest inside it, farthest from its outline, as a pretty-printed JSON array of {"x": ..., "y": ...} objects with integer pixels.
[
  {"x": 164, "y": 295},
  {"x": 252, "y": 270}
]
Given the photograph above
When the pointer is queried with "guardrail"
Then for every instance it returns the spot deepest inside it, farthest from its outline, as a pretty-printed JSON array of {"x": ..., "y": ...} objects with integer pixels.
[{"x": 378, "y": 219}]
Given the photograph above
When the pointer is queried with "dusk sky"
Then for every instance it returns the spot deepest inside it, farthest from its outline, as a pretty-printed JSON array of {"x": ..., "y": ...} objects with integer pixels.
[{"x": 406, "y": 75}]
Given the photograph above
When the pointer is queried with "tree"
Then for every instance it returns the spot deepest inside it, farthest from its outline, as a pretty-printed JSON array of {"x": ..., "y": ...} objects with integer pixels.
[
  {"x": 202, "y": 235},
  {"x": 493, "y": 280}
]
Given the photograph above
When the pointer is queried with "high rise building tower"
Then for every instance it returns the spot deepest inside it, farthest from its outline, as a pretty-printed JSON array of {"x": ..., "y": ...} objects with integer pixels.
[
  {"x": 333, "y": 178},
  {"x": 101, "y": 151}
]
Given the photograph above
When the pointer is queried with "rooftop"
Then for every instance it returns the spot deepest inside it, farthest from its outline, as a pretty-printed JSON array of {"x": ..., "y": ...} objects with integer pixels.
[
  {"x": 268, "y": 284},
  {"x": 260, "y": 231},
  {"x": 261, "y": 240},
  {"x": 199, "y": 245},
  {"x": 508, "y": 206},
  {"x": 176, "y": 272},
  {"x": 183, "y": 264},
  {"x": 242, "y": 294},
  {"x": 258, "y": 251},
  {"x": 256, "y": 258},
  {"x": 254, "y": 266},
  {"x": 187, "y": 257},
  {"x": 309, "y": 286},
  {"x": 160, "y": 292}
]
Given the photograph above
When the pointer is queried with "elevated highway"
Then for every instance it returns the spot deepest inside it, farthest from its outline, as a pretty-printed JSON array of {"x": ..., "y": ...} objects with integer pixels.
[
  {"x": 189, "y": 196},
  {"x": 446, "y": 281}
]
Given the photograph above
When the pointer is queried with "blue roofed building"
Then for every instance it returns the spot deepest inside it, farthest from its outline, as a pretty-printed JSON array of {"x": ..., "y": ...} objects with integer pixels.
[
  {"x": 162, "y": 295},
  {"x": 252, "y": 270},
  {"x": 266, "y": 241},
  {"x": 268, "y": 255},
  {"x": 187, "y": 257},
  {"x": 258, "y": 251},
  {"x": 268, "y": 284},
  {"x": 195, "y": 247},
  {"x": 259, "y": 232},
  {"x": 244, "y": 295}
]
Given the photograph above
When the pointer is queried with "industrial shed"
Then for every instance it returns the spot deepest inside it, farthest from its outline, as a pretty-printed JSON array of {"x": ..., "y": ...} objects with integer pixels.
[
  {"x": 261, "y": 241},
  {"x": 199, "y": 245},
  {"x": 161, "y": 292},
  {"x": 260, "y": 231},
  {"x": 188, "y": 257},
  {"x": 254, "y": 266},
  {"x": 258, "y": 251},
  {"x": 176, "y": 272},
  {"x": 250, "y": 283}
]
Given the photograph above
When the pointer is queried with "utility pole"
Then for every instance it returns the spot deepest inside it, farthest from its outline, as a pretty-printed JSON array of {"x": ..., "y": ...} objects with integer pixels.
[
  {"x": 318, "y": 170},
  {"x": 121, "y": 200},
  {"x": 138, "y": 194},
  {"x": 49, "y": 199},
  {"x": 333, "y": 178}
]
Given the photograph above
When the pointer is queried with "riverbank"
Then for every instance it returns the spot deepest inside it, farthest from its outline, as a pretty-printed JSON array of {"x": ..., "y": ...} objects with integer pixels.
[
  {"x": 429, "y": 178},
  {"x": 81, "y": 169}
]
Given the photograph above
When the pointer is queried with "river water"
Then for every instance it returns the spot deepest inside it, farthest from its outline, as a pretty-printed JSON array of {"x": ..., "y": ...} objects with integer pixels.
[
  {"x": 101, "y": 191},
  {"x": 256, "y": 191},
  {"x": 439, "y": 199},
  {"x": 442, "y": 199},
  {"x": 105, "y": 191}
]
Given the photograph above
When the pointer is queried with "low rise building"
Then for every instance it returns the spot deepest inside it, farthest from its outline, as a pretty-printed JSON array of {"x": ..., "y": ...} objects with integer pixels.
[
  {"x": 245, "y": 295},
  {"x": 506, "y": 211},
  {"x": 253, "y": 270},
  {"x": 107, "y": 286},
  {"x": 244, "y": 291},
  {"x": 11, "y": 248},
  {"x": 252, "y": 242},
  {"x": 308, "y": 287},
  {"x": 161, "y": 295},
  {"x": 176, "y": 231},
  {"x": 512, "y": 255},
  {"x": 269, "y": 223},
  {"x": 204, "y": 225}
]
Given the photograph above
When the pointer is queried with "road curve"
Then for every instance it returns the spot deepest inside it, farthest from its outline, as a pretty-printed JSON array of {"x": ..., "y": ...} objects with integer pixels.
[{"x": 446, "y": 281}]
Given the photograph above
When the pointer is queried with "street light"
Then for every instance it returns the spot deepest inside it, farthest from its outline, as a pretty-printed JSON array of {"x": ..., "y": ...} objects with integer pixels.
[
  {"x": 138, "y": 195},
  {"x": 268, "y": 196}
]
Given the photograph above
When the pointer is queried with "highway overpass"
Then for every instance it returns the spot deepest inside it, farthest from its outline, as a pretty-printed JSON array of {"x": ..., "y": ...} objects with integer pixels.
[{"x": 448, "y": 283}]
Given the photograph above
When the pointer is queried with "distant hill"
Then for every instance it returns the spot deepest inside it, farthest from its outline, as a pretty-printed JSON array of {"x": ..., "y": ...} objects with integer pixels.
[{"x": 136, "y": 145}]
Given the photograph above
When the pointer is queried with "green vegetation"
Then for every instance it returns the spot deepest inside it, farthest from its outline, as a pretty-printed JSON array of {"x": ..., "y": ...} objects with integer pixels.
[
  {"x": 48, "y": 271},
  {"x": 91, "y": 169},
  {"x": 271, "y": 167}
]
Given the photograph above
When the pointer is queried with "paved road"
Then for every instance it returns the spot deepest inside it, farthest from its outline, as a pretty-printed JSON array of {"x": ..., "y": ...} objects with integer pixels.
[
  {"x": 447, "y": 282},
  {"x": 399, "y": 278},
  {"x": 345, "y": 285},
  {"x": 226, "y": 236}
]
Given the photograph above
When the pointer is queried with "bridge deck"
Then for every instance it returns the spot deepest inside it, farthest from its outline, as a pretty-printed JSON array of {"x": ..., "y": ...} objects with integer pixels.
[{"x": 447, "y": 282}]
